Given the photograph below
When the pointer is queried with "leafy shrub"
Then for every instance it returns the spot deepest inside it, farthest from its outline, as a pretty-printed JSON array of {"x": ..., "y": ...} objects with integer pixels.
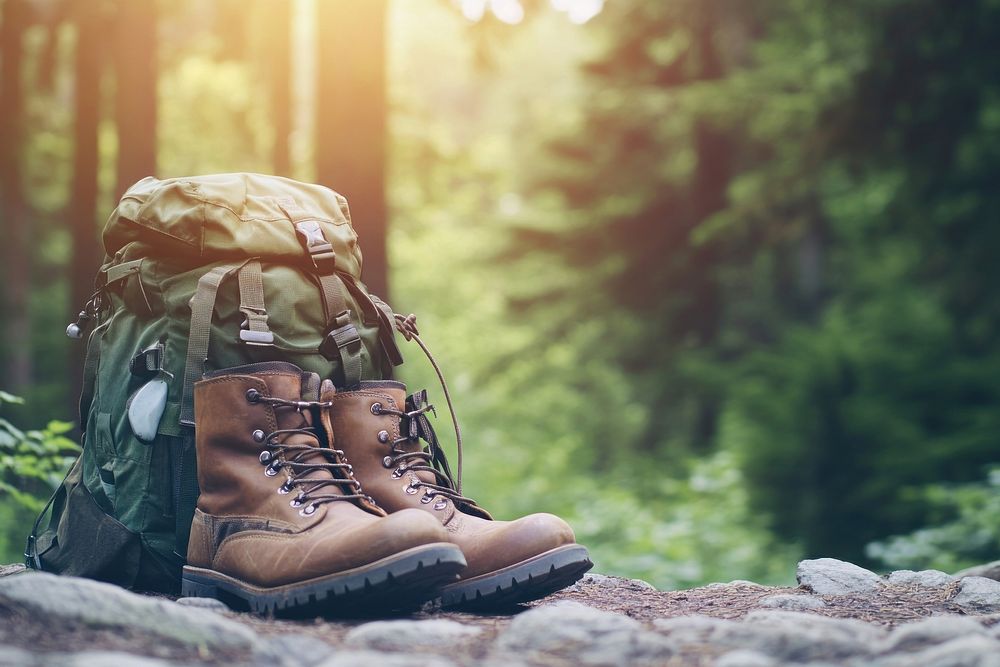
[
  {"x": 967, "y": 532},
  {"x": 32, "y": 463}
]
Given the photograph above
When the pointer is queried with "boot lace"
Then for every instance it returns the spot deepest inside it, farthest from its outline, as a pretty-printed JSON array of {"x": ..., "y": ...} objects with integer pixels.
[
  {"x": 279, "y": 454},
  {"x": 415, "y": 426}
]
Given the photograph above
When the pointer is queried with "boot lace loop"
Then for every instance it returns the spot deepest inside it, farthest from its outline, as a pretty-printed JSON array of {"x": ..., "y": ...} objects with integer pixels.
[
  {"x": 415, "y": 426},
  {"x": 278, "y": 454}
]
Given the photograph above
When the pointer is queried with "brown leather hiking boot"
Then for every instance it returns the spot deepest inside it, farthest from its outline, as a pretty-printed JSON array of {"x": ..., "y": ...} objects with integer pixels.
[
  {"x": 380, "y": 429},
  {"x": 281, "y": 524}
]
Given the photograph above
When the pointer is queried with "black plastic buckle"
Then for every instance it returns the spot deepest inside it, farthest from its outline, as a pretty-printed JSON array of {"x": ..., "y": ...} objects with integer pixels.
[
  {"x": 31, "y": 558},
  {"x": 343, "y": 335},
  {"x": 147, "y": 362},
  {"x": 320, "y": 250}
]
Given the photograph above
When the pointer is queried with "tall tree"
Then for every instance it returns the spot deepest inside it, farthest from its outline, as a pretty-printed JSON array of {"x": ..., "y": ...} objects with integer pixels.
[
  {"x": 83, "y": 196},
  {"x": 351, "y": 121},
  {"x": 16, "y": 234},
  {"x": 136, "y": 69},
  {"x": 278, "y": 54}
]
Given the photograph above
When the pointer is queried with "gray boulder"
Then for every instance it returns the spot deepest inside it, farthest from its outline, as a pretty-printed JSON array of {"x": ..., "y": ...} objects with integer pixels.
[
  {"x": 829, "y": 576},
  {"x": 922, "y": 578},
  {"x": 581, "y": 635},
  {"x": 978, "y": 594},
  {"x": 967, "y": 651},
  {"x": 791, "y": 601},
  {"x": 989, "y": 570},
  {"x": 745, "y": 658},
  {"x": 11, "y": 656},
  {"x": 591, "y": 580},
  {"x": 930, "y": 631},
  {"x": 439, "y": 634},
  {"x": 800, "y": 637},
  {"x": 99, "y": 604},
  {"x": 292, "y": 650},
  {"x": 378, "y": 659},
  {"x": 203, "y": 603},
  {"x": 106, "y": 659}
]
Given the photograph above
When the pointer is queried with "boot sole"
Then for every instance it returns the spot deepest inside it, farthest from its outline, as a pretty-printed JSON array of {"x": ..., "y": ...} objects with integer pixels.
[
  {"x": 528, "y": 580},
  {"x": 399, "y": 582}
]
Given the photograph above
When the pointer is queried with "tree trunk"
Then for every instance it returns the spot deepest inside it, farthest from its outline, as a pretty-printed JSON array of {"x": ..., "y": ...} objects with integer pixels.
[
  {"x": 135, "y": 98},
  {"x": 83, "y": 196},
  {"x": 279, "y": 68},
  {"x": 351, "y": 121},
  {"x": 13, "y": 214}
]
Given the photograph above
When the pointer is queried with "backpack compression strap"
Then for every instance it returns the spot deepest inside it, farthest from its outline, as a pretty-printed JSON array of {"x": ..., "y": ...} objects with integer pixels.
[{"x": 341, "y": 340}]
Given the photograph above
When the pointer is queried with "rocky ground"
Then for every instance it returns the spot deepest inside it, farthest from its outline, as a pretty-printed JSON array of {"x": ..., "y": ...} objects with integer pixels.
[{"x": 840, "y": 614}]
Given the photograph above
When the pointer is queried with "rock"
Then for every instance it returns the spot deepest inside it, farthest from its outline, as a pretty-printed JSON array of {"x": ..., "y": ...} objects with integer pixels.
[
  {"x": 693, "y": 629},
  {"x": 6, "y": 570},
  {"x": 377, "y": 659},
  {"x": 799, "y": 637},
  {"x": 989, "y": 570},
  {"x": 922, "y": 578},
  {"x": 603, "y": 581},
  {"x": 11, "y": 656},
  {"x": 978, "y": 594},
  {"x": 967, "y": 651},
  {"x": 98, "y": 604},
  {"x": 582, "y": 635},
  {"x": 791, "y": 601},
  {"x": 929, "y": 631},
  {"x": 745, "y": 658},
  {"x": 829, "y": 576},
  {"x": 204, "y": 603},
  {"x": 440, "y": 634},
  {"x": 292, "y": 650},
  {"x": 105, "y": 659}
]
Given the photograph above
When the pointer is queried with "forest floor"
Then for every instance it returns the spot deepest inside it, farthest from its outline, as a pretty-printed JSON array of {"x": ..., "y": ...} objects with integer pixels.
[{"x": 601, "y": 620}]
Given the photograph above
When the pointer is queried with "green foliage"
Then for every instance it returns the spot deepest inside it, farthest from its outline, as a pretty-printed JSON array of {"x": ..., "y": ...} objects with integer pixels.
[
  {"x": 966, "y": 530},
  {"x": 33, "y": 462}
]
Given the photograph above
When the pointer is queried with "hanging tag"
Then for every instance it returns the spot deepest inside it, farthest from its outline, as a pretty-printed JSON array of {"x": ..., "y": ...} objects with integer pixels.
[{"x": 146, "y": 406}]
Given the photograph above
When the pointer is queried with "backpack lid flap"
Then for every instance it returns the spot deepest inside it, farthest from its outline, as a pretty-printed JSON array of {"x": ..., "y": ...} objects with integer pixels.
[{"x": 231, "y": 216}]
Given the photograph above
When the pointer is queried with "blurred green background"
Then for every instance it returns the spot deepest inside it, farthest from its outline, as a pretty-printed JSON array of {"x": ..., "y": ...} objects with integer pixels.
[{"x": 713, "y": 279}]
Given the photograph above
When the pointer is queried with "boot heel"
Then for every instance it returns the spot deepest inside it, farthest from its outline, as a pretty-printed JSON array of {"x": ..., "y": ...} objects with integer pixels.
[{"x": 193, "y": 587}]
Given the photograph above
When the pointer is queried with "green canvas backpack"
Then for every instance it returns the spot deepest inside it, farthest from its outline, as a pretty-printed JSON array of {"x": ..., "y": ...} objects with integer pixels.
[{"x": 201, "y": 273}]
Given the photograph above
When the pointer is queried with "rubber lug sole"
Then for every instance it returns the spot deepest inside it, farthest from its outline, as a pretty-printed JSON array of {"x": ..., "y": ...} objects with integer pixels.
[
  {"x": 399, "y": 582},
  {"x": 528, "y": 580}
]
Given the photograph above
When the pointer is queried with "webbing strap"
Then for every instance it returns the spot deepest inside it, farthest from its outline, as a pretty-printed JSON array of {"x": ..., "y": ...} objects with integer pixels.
[
  {"x": 254, "y": 330},
  {"x": 342, "y": 342},
  {"x": 90, "y": 365},
  {"x": 185, "y": 473},
  {"x": 202, "y": 308},
  {"x": 121, "y": 271}
]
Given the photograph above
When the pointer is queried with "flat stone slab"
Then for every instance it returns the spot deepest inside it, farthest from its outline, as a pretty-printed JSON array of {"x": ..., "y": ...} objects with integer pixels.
[
  {"x": 829, "y": 576},
  {"x": 94, "y": 603}
]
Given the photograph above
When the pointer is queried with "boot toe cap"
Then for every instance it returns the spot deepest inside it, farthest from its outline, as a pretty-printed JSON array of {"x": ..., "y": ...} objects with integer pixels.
[{"x": 505, "y": 543}]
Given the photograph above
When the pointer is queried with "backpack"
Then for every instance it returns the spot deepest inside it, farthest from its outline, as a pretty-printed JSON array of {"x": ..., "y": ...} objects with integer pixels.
[{"x": 201, "y": 273}]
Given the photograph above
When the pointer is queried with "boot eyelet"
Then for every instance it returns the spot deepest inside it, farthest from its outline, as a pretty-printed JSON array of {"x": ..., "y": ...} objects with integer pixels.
[
  {"x": 426, "y": 498},
  {"x": 387, "y": 462},
  {"x": 440, "y": 504},
  {"x": 258, "y": 436},
  {"x": 295, "y": 502},
  {"x": 397, "y": 473},
  {"x": 253, "y": 395},
  {"x": 265, "y": 457},
  {"x": 284, "y": 489},
  {"x": 383, "y": 436},
  {"x": 376, "y": 408},
  {"x": 271, "y": 470},
  {"x": 411, "y": 490},
  {"x": 308, "y": 510}
]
